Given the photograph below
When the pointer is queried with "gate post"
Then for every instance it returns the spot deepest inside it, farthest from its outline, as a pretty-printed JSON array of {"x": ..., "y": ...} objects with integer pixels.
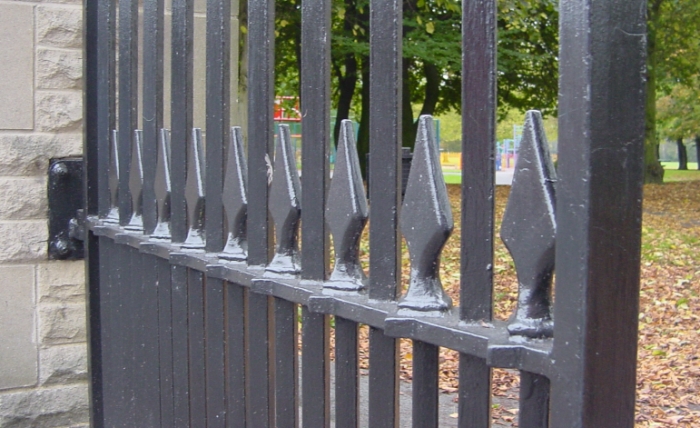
[{"x": 599, "y": 193}]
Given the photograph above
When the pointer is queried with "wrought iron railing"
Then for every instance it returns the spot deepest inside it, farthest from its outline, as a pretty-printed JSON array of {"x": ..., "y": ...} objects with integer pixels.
[{"x": 194, "y": 301}]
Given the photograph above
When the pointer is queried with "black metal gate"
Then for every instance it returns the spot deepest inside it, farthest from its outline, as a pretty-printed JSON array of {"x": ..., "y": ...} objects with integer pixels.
[{"x": 194, "y": 318}]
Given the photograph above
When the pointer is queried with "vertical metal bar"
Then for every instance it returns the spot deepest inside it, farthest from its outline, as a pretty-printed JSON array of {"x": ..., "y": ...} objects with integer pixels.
[
  {"x": 215, "y": 341},
  {"x": 385, "y": 147},
  {"x": 128, "y": 98},
  {"x": 102, "y": 83},
  {"x": 94, "y": 87},
  {"x": 478, "y": 137},
  {"x": 93, "y": 90},
  {"x": 132, "y": 373},
  {"x": 181, "y": 389},
  {"x": 316, "y": 119},
  {"x": 261, "y": 63},
  {"x": 165, "y": 343},
  {"x": 474, "y": 392},
  {"x": 181, "y": 111},
  {"x": 286, "y": 339},
  {"x": 534, "y": 401},
  {"x": 599, "y": 194},
  {"x": 152, "y": 112},
  {"x": 143, "y": 326},
  {"x": 121, "y": 340},
  {"x": 107, "y": 306},
  {"x": 258, "y": 374},
  {"x": 346, "y": 371},
  {"x": 315, "y": 105},
  {"x": 425, "y": 385},
  {"x": 95, "y": 274},
  {"x": 197, "y": 372},
  {"x": 146, "y": 315},
  {"x": 151, "y": 348},
  {"x": 315, "y": 369},
  {"x": 383, "y": 379},
  {"x": 478, "y": 180},
  {"x": 386, "y": 20},
  {"x": 218, "y": 116},
  {"x": 235, "y": 355}
]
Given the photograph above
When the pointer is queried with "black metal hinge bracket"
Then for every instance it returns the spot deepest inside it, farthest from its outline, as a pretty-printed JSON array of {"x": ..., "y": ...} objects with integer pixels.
[{"x": 66, "y": 216}]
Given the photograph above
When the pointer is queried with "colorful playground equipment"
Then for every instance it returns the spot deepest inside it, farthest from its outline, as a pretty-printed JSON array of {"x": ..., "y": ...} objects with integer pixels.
[{"x": 287, "y": 112}]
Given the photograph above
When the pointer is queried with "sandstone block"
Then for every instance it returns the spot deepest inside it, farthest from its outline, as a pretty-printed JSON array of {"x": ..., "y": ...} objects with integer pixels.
[
  {"x": 63, "y": 364},
  {"x": 76, "y": 2},
  {"x": 16, "y": 84},
  {"x": 59, "y": 26},
  {"x": 45, "y": 407},
  {"x": 60, "y": 324},
  {"x": 59, "y": 69},
  {"x": 18, "y": 349},
  {"x": 23, "y": 198},
  {"x": 30, "y": 154},
  {"x": 59, "y": 111},
  {"x": 23, "y": 240},
  {"x": 62, "y": 282}
]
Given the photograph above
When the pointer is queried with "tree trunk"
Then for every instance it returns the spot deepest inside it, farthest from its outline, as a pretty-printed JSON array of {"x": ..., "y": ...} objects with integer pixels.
[
  {"x": 697, "y": 150},
  {"x": 346, "y": 90},
  {"x": 408, "y": 127},
  {"x": 682, "y": 155},
  {"x": 653, "y": 171},
  {"x": 431, "y": 96},
  {"x": 363, "y": 133},
  {"x": 432, "y": 88},
  {"x": 346, "y": 82}
]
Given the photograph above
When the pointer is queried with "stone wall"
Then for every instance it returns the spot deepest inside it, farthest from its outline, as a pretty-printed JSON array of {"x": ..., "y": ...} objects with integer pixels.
[{"x": 43, "y": 363}]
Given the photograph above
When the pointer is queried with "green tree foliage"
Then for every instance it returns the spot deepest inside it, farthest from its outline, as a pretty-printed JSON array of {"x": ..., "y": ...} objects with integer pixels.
[
  {"x": 678, "y": 115},
  {"x": 527, "y": 60},
  {"x": 673, "y": 57}
]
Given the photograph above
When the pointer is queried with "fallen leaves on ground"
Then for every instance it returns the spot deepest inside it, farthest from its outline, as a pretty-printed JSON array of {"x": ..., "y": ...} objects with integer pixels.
[{"x": 668, "y": 367}]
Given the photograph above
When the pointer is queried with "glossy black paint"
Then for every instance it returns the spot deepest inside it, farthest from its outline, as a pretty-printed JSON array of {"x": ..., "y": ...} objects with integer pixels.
[
  {"x": 426, "y": 223},
  {"x": 65, "y": 200},
  {"x": 200, "y": 338},
  {"x": 285, "y": 207},
  {"x": 478, "y": 182},
  {"x": 528, "y": 229},
  {"x": 346, "y": 214},
  {"x": 194, "y": 193},
  {"x": 235, "y": 199},
  {"x": 113, "y": 171},
  {"x": 599, "y": 198},
  {"x": 136, "y": 183},
  {"x": 162, "y": 188}
]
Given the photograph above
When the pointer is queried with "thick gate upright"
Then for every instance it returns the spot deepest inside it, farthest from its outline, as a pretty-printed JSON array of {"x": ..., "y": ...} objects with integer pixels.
[{"x": 212, "y": 296}]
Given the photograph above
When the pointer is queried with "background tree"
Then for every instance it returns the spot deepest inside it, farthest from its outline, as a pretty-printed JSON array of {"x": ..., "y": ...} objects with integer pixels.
[
  {"x": 678, "y": 115},
  {"x": 527, "y": 58},
  {"x": 673, "y": 57}
]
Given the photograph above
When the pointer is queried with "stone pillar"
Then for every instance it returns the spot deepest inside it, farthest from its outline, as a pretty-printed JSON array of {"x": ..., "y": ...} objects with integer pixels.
[{"x": 43, "y": 363}]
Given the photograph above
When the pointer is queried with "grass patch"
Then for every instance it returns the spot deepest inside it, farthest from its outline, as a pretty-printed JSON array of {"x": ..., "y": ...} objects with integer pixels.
[
  {"x": 452, "y": 177},
  {"x": 673, "y": 175},
  {"x": 674, "y": 165}
]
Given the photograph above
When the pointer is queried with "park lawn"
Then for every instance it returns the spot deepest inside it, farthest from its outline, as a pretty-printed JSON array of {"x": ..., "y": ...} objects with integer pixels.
[
  {"x": 452, "y": 177},
  {"x": 668, "y": 385},
  {"x": 670, "y": 175},
  {"x": 674, "y": 165},
  {"x": 673, "y": 175}
]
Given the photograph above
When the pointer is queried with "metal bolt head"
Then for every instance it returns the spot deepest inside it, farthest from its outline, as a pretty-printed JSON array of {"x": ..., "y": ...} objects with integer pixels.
[
  {"x": 59, "y": 169},
  {"x": 61, "y": 247}
]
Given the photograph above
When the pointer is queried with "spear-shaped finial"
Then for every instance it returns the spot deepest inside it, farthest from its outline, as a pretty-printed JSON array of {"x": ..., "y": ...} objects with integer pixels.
[{"x": 528, "y": 230}]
